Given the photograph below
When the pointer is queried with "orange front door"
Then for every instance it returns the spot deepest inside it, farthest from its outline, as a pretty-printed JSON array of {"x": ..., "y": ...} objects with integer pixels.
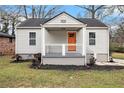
[{"x": 71, "y": 41}]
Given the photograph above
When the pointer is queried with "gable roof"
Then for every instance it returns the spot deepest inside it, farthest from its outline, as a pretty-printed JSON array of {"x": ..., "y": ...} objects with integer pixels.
[
  {"x": 66, "y": 14},
  {"x": 35, "y": 22},
  {"x": 2, "y": 34}
]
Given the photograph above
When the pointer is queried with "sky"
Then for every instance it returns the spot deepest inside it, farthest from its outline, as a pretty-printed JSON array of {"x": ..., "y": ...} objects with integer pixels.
[{"x": 73, "y": 10}]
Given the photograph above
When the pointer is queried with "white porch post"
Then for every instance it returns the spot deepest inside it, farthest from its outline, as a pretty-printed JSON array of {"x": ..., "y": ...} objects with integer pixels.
[
  {"x": 63, "y": 49},
  {"x": 43, "y": 41},
  {"x": 84, "y": 43}
]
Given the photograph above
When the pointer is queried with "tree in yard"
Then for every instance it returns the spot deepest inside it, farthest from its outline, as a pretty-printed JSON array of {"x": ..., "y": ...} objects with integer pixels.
[
  {"x": 5, "y": 28},
  {"x": 120, "y": 8},
  {"x": 79, "y": 15},
  {"x": 40, "y": 11},
  {"x": 97, "y": 11},
  {"x": 92, "y": 9},
  {"x": 119, "y": 35},
  {"x": 5, "y": 22},
  {"x": 15, "y": 13},
  {"x": 10, "y": 18}
]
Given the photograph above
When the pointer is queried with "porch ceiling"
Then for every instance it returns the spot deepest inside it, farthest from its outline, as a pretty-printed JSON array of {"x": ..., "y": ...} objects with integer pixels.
[{"x": 63, "y": 28}]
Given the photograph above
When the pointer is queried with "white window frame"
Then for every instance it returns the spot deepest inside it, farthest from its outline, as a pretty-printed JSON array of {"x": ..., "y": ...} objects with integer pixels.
[
  {"x": 32, "y": 38},
  {"x": 92, "y": 39}
]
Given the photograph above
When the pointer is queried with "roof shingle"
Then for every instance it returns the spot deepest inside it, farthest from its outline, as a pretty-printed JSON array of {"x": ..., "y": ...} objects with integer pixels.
[
  {"x": 33, "y": 22},
  {"x": 92, "y": 22}
]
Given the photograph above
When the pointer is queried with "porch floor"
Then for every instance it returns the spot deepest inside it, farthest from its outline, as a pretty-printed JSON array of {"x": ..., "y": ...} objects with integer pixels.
[{"x": 67, "y": 55}]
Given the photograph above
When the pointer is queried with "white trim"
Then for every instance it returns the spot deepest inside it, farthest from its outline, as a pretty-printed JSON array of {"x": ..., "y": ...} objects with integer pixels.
[
  {"x": 55, "y": 25},
  {"x": 16, "y": 44},
  {"x": 54, "y": 44},
  {"x": 63, "y": 49},
  {"x": 98, "y": 27},
  {"x": 108, "y": 44},
  {"x": 84, "y": 44},
  {"x": 64, "y": 25},
  {"x": 27, "y": 27},
  {"x": 92, "y": 39},
  {"x": 43, "y": 41},
  {"x": 84, "y": 40},
  {"x": 30, "y": 38}
]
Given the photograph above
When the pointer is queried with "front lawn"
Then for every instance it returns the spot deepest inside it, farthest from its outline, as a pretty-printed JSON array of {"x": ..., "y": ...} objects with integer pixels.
[
  {"x": 118, "y": 55},
  {"x": 20, "y": 75}
]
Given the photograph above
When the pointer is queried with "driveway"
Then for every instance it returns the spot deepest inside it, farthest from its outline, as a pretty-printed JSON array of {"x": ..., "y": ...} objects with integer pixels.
[{"x": 117, "y": 62}]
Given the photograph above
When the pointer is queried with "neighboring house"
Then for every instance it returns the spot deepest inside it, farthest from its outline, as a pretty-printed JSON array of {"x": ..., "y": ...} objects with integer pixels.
[
  {"x": 63, "y": 39},
  {"x": 7, "y": 44}
]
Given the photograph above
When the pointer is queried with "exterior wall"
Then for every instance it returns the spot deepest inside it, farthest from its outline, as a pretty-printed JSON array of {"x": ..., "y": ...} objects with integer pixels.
[
  {"x": 56, "y": 37},
  {"x": 22, "y": 41},
  {"x": 102, "y": 42},
  {"x": 6, "y": 47}
]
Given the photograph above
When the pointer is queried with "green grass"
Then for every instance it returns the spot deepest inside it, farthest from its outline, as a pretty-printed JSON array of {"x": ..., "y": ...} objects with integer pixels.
[
  {"x": 118, "y": 55},
  {"x": 20, "y": 75}
]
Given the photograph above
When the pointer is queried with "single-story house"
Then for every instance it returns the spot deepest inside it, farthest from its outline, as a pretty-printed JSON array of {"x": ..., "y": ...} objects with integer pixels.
[
  {"x": 7, "y": 44},
  {"x": 63, "y": 39}
]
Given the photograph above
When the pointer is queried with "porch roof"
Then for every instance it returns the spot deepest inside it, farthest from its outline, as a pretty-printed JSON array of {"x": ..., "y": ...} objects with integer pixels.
[{"x": 63, "y": 28}]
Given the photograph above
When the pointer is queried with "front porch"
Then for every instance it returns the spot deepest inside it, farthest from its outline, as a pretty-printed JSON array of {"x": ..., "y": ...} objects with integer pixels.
[
  {"x": 58, "y": 50},
  {"x": 64, "y": 41},
  {"x": 61, "y": 41}
]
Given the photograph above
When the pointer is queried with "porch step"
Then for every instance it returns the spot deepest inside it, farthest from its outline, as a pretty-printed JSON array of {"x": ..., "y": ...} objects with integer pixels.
[{"x": 64, "y": 61}]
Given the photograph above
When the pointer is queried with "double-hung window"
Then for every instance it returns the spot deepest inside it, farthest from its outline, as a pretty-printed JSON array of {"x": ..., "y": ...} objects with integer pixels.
[
  {"x": 32, "y": 38},
  {"x": 92, "y": 38}
]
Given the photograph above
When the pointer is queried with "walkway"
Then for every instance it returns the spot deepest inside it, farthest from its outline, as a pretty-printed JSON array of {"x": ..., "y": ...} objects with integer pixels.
[{"x": 117, "y": 62}]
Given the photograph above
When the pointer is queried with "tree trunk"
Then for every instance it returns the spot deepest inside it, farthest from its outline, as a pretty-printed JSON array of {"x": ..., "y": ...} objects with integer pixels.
[
  {"x": 25, "y": 10},
  {"x": 13, "y": 27},
  {"x": 39, "y": 11},
  {"x": 33, "y": 11},
  {"x": 93, "y": 12}
]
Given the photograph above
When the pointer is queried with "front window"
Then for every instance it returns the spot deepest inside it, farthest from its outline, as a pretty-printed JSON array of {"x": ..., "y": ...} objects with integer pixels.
[
  {"x": 92, "y": 37},
  {"x": 32, "y": 38}
]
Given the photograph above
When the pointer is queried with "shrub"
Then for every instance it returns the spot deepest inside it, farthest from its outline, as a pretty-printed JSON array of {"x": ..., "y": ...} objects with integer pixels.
[
  {"x": 92, "y": 61},
  {"x": 117, "y": 49}
]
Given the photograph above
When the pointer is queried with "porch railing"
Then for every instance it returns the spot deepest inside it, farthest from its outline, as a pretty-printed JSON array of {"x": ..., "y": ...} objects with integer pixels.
[{"x": 62, "y": 49}]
